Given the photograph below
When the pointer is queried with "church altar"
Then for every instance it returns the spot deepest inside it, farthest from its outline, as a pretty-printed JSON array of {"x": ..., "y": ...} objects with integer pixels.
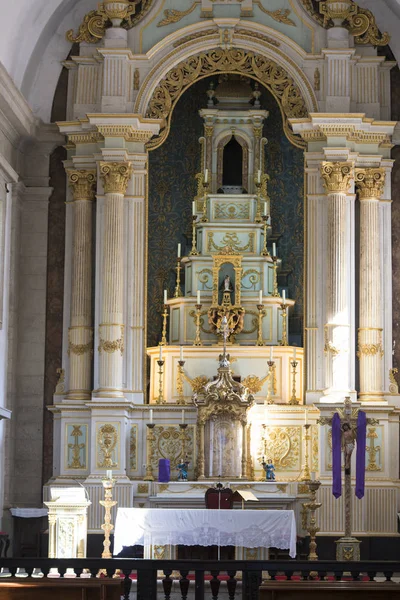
[{"x": 205, "y": 527}]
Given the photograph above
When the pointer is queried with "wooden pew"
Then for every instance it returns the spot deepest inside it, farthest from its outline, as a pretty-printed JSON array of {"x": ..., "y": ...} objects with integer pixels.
[{"x": 15, "y": 588}]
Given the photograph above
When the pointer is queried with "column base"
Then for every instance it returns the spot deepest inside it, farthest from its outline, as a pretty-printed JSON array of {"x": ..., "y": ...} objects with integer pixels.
[
  {"x": 108, "y": 393},
  {"x": 78, "y": 395},
  {"x": 372, "y": 397}
]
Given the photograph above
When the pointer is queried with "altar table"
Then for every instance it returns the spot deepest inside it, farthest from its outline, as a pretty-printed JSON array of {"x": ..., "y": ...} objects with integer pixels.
[{"x": 205, "y": 527}]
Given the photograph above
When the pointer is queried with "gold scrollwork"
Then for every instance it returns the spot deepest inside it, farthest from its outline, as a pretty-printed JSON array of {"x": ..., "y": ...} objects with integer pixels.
[
  {"x": 373, "y": 451},
  {"x": 254, "y": 322},
  {"x": 232, "y": 241},
  {"x": 83, "y": 183},
  {"x": 169, "y": 443},
  {"x": 394, "y": 386},
  {"x": 76, "y": 448},
  {"x": 143, "y": 488},
  {"x": 172, "y": 15},
  {"x": 281, "y": 15},
  {"x": 203, "y": 277},
  {"x": 254, "y": 278},
  {"x": 197, "y": 383},
  {"x": 281, "y": 445},
  {"x": 370, "y": 182},
  {"x": 112, "y": 346},
  {"x": 80, "y": 349},
  {"x": 337, "y": 176},
  {"x": 107, "y": 440},
  {"x": 369, "y": 350},
  {"x": 115, "y": 176},
  {"x": 232, "y": 210},
  {"x": 219, "y": 60},
  {"x": 254, "y": 383}
]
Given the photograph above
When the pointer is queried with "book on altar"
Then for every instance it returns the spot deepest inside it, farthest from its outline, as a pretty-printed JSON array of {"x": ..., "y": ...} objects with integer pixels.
[{"x": 244, "y": 495}]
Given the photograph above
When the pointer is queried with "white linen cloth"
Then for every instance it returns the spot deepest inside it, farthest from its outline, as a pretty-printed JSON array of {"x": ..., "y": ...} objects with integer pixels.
[{"x": 205, "y": 527}]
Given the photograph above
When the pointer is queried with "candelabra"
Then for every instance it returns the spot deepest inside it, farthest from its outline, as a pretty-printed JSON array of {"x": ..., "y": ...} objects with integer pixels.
[
  {"x": 164, "y": 327},
  {"x": 178, "y": 291},
  {"x": 150, "y": 439},
  {"x": 306, "y": 476},
  {"x": 179, "y": 382},
  {"x": 270, "y": 390},
  {"x": 197, "y": 341},
  {"x": 107, "y": 526},
  {"x": 261, "y": 315},
  {"x": 284, "y": 340},
  {"x": 183, "y": 427},
  {"x": 194, "y": 251},
  {"x": 264, "y": 251},
  {"x": 293, "y": 399},
  {"x": 258, "y": 218},
  {"x": 312, "y": 527},
  {"x": 275, "y": 291},
  {"x": 160, "y": 399},
  {"x": 204, "y": 218}
]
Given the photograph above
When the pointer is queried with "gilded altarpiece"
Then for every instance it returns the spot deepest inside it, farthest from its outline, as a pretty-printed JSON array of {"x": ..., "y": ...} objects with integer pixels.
[
  {"x": 282, "y": 445},
  {"x": 107, "y": 445},
  {"x": 133, "y": 439},
  {"x": 175, "y": 444},
  {"x": 76, "y": 446}
]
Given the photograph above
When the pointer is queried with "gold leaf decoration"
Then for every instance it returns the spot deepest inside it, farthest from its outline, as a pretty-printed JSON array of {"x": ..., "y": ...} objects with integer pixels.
[
  {"x": 173, "y": 16},
  {"x": 281, "y": 15}
]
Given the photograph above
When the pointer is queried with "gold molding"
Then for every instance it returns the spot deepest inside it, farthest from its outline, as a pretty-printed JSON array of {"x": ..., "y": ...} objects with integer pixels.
[
  {"x": 172, "y": 15},
  {"x": 281, "y": 15},
  {"x": 256, "y": 35},
  {"x": 195, "y": 36}
]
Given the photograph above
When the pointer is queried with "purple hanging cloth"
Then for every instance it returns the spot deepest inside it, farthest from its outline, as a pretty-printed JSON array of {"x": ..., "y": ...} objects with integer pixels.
[
  {"x": 164, "y": 470},
  {"x": 336, "y": 456},
  {"x": 360, "y": 454}
]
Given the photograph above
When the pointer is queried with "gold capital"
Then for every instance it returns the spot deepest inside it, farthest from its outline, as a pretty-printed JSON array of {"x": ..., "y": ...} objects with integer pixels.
[
  {"x": 115, "y": 176},
  {"x": 83, "y": 183},
  {"x": 337, "y": 176},
  {"x": 370, "y": 182}
]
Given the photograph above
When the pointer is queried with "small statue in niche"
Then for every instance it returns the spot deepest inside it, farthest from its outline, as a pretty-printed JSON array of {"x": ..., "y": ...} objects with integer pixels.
[
  {"x": 183, "y": 468},
  {"x": 227, "y": 289},
  {"x": 269, "y": 470}
]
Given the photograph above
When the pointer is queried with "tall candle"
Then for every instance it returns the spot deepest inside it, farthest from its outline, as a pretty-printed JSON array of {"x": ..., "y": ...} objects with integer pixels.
[
  {"x": 160, "y": 357},
  {"x": 109, "y": 474},
  {"x": 259, "y": 176},
  {"x": 198, "y": 296},
  {"x": 265, "y": 208},
  {"x": 151, "y": 415},
  {"x": 294, "y": 353},
  {"x": 313, "y": 475},
  {"x": 305, "y": 417},
  {"x": 165, "y": 297},
  {"x": 260, "y": 297},
  {"x": 284, "y": 296},
  {"x": 194, "y": 208},
  {"x": 179, "y": 250},
  {"x": 183, "y": 416},
  {"x": 206, "y": 176},
  {"x": 181, "y": 353},
  {"x": 273, "y": 249},
  {"x": 270, "y": 353}
]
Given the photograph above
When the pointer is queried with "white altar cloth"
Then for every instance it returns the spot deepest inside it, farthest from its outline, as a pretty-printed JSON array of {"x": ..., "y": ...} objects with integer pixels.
[{"x": 205, "y": 527}]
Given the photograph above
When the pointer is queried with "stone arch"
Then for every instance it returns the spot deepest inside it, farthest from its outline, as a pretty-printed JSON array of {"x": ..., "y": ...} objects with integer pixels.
[{"x": 162, "y": 99}]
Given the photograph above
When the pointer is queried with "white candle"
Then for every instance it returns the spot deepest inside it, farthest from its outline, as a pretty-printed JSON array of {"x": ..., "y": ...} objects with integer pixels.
[
  {"x": 265, "y": 208},
  {"x": 160, "y": 357},
  {"x": 259, "y": 176},
  {"x": 181, "y": 353},
  {"x": 305, "y": 417},
  {"x": 183, "y": 416},
  {"x": 165, "y": 297},
  {"x": 283, "y": 296},
  {"x": 313, "y": 475},
  {"x": 151, "y": 415},
  {"x": 109, "y": 474},
  {"x": 270, "y": 353},
  {"x": 260, "y": 297},
  {"x": 206, "y": 176},
  {"x": 179, "y": 250},
  {"x": 294, "y": 353},
  {"x": 198, "y": 296},
  {"x": 273, "y": 249},
  {"x": 194, "y": 208}
]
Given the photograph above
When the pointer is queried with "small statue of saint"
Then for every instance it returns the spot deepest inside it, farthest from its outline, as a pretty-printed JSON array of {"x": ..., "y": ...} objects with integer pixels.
[
  {"x": 227, "y": 289},
  {"x": 183, "y": 470},
  {"x": 269, "y": 470}
]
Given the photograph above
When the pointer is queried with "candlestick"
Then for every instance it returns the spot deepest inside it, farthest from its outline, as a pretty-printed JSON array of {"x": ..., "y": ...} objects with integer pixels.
[
  {"x": 271, "y": 383},
  {"x": 164, "y": 329},
  {"x": 107, "y": 526},
  {"x": 149, "y": 442},
  {"x": 284, "y": 340},
  {"x": 257, "y": 218},
  {"x": 197, "y": 341},
  {"x": 179, "y": 380},
  {"x": 160, "y": 399},
  {"x": 204, "y": 218},
  {"x": 178, "y": 291},
  {"x": 194, "y": 251},
  {"x": 305, "y": 475},
  {"x": 264, "y": 251},
  {"x": 294, "y": 399},
  {"x": 312, "y": 528},
  {"x": 261, "y": 315},
  {"x": 275, "y": 291}
]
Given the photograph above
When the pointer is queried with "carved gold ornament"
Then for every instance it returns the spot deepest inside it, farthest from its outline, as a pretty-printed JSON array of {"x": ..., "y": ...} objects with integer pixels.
[
  {"x": 83, "y": 183},
  {"x": 317, "y": 80},
  {"x": 76, "y": 448},
  {"x": 195, "y": 36},
  {"x": 373, "y": 451},
  {"x": 143, "y": 488},
  {"x": 281, "y": 445},
  {"x": 60, "y": 386},
  {"x": 254, "y": 384},
  {"x": 394, "y": 386},
  {"x": 112, "y": 346},
  {"x": 258, "y": 36},
  {"x": 197, "y": 383},
  {"x": 80, "y": 349},
  {"x": 94, "y": 25},
  {"x": 234, "y": 60},
  {"x": 231, "y": 241},
  {"x": 370, "y": 182},
  {"x": 337, "y": 176},
  {"x": 115, "y": 176},
  {"x": 169, "y": 443},
  {"x": 136, "y": 79},
  {"x": 369, "y": 350},
  {"x": 360, "y": 22},
  {"x": 281, "y": 15},
  {"x": 133, "y": 448},
  {"x": 107, "y": 439},
  {"x": 172, "y": 15}
]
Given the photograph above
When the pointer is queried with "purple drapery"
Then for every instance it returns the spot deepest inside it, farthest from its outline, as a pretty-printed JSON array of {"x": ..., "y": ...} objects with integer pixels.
[
  {"x": 360, "y": 455},
  {"x": 336, "y": 456},
  {"x": 164, "y": 470}
]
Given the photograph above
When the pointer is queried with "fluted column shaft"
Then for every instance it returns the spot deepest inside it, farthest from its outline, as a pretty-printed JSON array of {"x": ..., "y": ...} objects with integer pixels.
[
  {"x": 337, "y": 176},
  {"x": 370, "y": 184},
  {"x": 115, "y": 178},
  {"x": 80, "y": 333}
]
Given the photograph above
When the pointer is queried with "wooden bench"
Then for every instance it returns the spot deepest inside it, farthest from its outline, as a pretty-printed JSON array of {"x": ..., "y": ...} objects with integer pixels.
[
  {"x": 15, "y": 588},
  {"x": 329, "y": 590}
]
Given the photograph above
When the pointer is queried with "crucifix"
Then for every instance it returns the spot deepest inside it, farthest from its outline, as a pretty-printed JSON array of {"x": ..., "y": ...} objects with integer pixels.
[{"x": 348, "y": 432}]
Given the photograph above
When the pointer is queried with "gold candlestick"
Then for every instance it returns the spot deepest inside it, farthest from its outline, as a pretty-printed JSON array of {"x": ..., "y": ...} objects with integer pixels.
[
  {"x": 204, "y": 218},
  {"x": 197, "y": 341},
  {"x": 183, "y": 427},
  {"x": 284, "y": 340},
  {"x": 264, "y": 251},
  {"x": 179, "y": 382},
  {"x": 293, "y": 399},
  {"x": 275, "y": 292},
  {"x": 270, "y": 392},
  {"x": 261, "y": 315},
  {"x": 258, "y": 218},
  {"x": 194, "y": 251},
  {"x": 178, "y": 291},
  {"x": 150, "y": 439},
  {"x": 107, "y": 526},
  {"x": 312, "y": 527},
  {"x": 305, "y": 475},
  {"x": 160, "y": 399},
  {"x": 164, "y": 327}
]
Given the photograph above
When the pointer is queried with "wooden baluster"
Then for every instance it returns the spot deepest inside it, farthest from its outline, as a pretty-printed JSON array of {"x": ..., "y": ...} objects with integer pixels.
[
  {"x": 231, "y": 585},
  {"x": 127, "y": 583},
  {"x": 199, "y": 585},
  {"x": 184, "y": 584},
  {"x": 167, "y": 583},
  {"x": 388, "y": 575},
  {"x": 214, "y": 584}
]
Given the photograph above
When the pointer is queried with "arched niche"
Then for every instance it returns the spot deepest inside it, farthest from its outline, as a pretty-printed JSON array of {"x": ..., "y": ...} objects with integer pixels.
[{"x": 242, "y": 168}]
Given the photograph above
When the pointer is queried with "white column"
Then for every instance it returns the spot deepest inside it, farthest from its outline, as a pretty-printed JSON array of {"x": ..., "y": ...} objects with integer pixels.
[
  {"x": 80, "y": 332},
  {"x": 337, "y": 176},
  {"x": 370, "y": 184},
  {"x": 115, "y": 176}
]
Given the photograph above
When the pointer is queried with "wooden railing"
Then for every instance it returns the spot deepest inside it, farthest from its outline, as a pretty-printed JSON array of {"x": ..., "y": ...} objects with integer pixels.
[{"x": 242, "y": 579}]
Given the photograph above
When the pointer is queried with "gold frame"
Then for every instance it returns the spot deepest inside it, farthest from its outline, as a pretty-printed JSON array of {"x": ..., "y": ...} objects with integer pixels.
[{"x": 223, "y": 259}]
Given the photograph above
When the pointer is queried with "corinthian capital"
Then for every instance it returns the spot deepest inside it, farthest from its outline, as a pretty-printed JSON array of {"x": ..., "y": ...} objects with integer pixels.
[
  {"x": 83, "y": 183},
  {"x": 115, "y": 176},
  {"x": 337, "y": 176},
  {"x": 370, "y": 182}
]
